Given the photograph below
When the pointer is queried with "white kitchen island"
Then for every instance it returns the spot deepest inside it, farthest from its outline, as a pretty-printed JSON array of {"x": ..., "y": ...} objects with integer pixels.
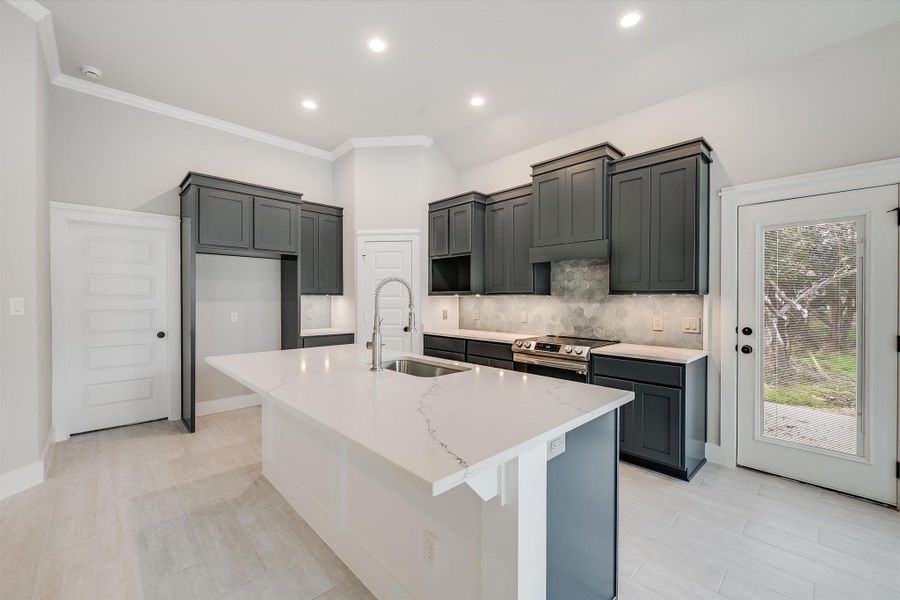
[{"x": 441, "y": 488}]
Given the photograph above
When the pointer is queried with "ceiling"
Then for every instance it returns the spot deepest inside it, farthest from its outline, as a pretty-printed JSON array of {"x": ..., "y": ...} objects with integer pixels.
[{"x": 545, "y": 68}]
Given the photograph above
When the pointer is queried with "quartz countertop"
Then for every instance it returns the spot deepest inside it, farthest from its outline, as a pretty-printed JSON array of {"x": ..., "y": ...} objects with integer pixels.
[
  {"x": 477, "y": 334},
  {"x": 442, "y": 430},
  {"x": 325, "y": 331},
  {"x": 660, "y": 353}
]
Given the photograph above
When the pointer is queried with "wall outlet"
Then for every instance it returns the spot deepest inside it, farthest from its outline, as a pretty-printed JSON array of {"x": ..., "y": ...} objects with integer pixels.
[
  {"x": 430, "y": 549},
  {"x": 477, "y": 315},
  {"x": 234, "y": 317},
  {"x": 657, "y": 323},
  {"x": 556, "y": 446},
  {"x": 524, "y": 316},
  {"x": 444, "y": 314},
  {"x": 690, "y": 325},
  {"x": 16, "y": 306}
]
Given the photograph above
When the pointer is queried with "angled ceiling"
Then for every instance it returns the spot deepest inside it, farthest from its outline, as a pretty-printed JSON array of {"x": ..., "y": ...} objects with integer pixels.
[{"x": 545, "y": 68}]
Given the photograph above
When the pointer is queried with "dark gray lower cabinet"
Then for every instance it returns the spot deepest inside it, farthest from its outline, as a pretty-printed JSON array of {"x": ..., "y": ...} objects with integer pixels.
[
  {"x": 318, "y": 341},
  {"x": 664, "y": 428}
]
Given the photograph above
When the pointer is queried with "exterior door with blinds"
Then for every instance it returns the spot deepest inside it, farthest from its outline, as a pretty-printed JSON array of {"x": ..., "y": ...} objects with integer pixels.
[{"x": 817, "y": 340}]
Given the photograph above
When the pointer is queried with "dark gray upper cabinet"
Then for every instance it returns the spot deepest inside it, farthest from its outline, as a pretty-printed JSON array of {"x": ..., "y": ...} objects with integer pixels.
[
  {"x": 570, "y": 206},
  {"x": 224, "y": 218},
  {"x": 509, "y": 228},
  {"x": 275, "y": 225},
  {"x": 659, "y": 213},
  {"x": 439, "y": 232},
  {"x": 456, "y": 244},
  {"x": 321, "y": 249}
]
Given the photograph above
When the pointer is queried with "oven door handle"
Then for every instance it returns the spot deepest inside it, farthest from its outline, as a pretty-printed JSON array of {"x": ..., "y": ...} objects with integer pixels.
[{"x": 568, "y": 365}]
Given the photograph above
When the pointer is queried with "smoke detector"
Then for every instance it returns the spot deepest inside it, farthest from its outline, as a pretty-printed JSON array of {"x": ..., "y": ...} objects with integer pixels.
[{"x": 91, "y": 72}]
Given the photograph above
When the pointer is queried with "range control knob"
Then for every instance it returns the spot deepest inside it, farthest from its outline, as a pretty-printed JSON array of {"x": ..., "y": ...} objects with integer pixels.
[
  {"x": 579, "y": 351},
  {"x": 568, "y": 349},
  {"x": 528, "y": 344},
  {"x": 518, "y": 343}
]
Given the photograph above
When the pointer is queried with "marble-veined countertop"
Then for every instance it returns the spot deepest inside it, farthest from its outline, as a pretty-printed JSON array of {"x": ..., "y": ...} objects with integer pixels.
[{"x": 442, "y": 430}]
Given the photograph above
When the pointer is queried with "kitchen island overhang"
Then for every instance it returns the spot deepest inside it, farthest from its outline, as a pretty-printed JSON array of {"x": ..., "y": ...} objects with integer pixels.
[{"x": 374, "y": 461}]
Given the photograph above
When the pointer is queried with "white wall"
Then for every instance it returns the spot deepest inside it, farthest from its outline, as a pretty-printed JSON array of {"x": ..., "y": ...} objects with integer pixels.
[
  {"x": 838, "y": 106},
  {"x": 24, "y": 245}
]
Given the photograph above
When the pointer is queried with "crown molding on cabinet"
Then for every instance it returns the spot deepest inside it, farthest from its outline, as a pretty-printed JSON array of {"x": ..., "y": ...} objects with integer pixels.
[{"x": 391, "y": 141}]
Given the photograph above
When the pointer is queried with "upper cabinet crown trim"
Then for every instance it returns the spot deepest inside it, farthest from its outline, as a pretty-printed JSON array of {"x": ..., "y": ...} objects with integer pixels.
[
  {"x": 457, "y": 200},
  {"x": 520, "y": 191},
  {"x": 604, "y": 150},
  {"x": 322, "y": 209},
  {"x": 696, "y": 147},
  {"x": 239, "y": 187}
]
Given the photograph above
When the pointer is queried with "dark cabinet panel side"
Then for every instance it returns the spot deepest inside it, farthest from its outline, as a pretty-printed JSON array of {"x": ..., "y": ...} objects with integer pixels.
[
  {"x": 629, "y": 269},
  {"x": 673, "y": 226},
  {"x": 309, "y": 242}
]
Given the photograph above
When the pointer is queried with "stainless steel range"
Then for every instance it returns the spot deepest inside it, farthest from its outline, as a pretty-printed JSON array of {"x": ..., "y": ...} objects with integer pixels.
[{"x": 556, "y": 356}]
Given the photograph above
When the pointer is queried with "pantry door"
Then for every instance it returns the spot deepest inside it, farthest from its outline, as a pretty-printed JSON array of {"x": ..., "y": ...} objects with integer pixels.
[
  {"x": 817, "y": 340},
  {"x": 114, "y": 318},
  {"x": 383, "y": 259}
]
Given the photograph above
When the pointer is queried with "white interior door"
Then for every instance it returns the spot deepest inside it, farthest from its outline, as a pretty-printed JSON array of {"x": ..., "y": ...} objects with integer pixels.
[
  {"x": 388, "y": 259},
  {"x": 817, "y": 340},
  {"x": 116, "y": 314}
]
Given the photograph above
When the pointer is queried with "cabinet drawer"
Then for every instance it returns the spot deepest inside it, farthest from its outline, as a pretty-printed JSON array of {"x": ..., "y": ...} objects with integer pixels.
[
  {"x": 502, "y": 364},
  {"x": 490, "y": 350},
  {"x": 445, "y": 354},
  {"x": 437, "y": 342},
  {"x": 638, "y": 370},
  {"x": 478, "y": 360},
  {"x": 318, "y": 341}
]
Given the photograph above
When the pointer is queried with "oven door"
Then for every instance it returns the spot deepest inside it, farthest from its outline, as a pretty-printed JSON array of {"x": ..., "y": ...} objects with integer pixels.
[{"x": 558, "y": 368}]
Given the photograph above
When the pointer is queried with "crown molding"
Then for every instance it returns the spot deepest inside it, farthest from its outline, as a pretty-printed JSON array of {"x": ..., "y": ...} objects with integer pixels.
[
  {"x": 391, "y": 141},
  {"x": 108, "y": 93}
]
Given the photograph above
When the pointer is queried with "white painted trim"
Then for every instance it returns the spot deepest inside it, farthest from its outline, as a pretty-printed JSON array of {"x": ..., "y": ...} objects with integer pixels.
[
  {"x": 884, "y": 172},
  {"x": 388, "y": 235},
  {"x": 19, "y": 480},
  {"x": 46, "y": 35},
  {"x": 392, "y": 141},
  {"x": 210, "y": 407},
  {"x": 62, "y": 213}
]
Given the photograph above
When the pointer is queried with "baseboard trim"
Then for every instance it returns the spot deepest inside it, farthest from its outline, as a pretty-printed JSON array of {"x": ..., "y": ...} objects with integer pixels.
[
  {"x": 225, "y": 404},
  {"x": 715, "y": 455},
  {"x": 21, "y": 479}
]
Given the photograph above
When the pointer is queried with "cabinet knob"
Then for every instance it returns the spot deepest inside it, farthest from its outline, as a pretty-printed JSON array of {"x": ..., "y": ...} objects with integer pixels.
[{"x": 746, "y": 349}]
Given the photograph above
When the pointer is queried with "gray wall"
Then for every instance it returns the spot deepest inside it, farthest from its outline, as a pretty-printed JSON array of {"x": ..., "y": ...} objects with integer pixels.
[
  {"x": 580, "y": 305},
  {"x": 24, "y": 243}
]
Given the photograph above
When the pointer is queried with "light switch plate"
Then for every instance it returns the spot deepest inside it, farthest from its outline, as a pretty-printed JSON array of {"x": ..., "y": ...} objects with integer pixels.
[
  {"x": 234, "y": 317},
  {"x": 690, "y": 325},
  {"x": 477, "y": 315},
  {"x": 524, "y": 316},
  {"x": 309, "y": 314},
  {"x": 657, "y": 323},
  {"x": 16, "y": 306}
]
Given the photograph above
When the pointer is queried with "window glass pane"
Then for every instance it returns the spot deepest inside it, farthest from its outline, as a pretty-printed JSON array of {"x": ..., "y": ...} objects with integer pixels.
[{"x": 810, "y": 358}]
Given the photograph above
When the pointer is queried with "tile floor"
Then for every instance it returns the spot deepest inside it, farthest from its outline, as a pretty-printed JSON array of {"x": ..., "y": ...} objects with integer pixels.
[{"x": 147, "y": 512}]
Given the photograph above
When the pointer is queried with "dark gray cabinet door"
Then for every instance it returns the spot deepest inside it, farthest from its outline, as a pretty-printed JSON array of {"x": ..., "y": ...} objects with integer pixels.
[
  {"x": 497, "y": 247},
  {"x": 521, "y": 234},
  {"x": 583, "y": 208},
  {"x": 309, "y": 246},
  {"x": 275, "y": 225},
  {"x": 329, "y": 259},
  {"x": 657, "y": 424},
  {"x": 439, "y": 232},
  {"x": 549, "y": 199},
  {"x": 629, "y": 238},
  {"x": 461, "y": 229},
  {"x": 626, "y": 413},
  {"x": 224, "y": 218},
  {"x": 673, "y": 226}
]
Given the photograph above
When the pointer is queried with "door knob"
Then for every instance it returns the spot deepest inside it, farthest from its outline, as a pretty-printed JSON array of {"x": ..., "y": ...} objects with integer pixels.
[
  {"x": 160, "y": 334},
  {"x": 746, "y": 349},
  {"x": 747, "y": 331}
]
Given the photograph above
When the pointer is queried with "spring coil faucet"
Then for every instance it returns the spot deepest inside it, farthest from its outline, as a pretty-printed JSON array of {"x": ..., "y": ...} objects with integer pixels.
[{"x": 375, "y": 344}]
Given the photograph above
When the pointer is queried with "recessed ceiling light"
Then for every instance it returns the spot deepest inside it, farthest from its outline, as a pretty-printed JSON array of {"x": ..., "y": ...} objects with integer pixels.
[
  {"x": 91, "y": 72},
  {"x": 476, "y": 101},
  {"x": 309, "y": 104},
  {"x": 377, "y": 45},
  {"x": 630, "y": 19}
]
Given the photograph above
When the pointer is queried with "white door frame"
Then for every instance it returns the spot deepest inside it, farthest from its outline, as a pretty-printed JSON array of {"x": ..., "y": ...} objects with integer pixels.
[
  {"x": 884, "y": 172},
  {"x": 363, "y": 329},
  {"x": 62, "y": 213}
]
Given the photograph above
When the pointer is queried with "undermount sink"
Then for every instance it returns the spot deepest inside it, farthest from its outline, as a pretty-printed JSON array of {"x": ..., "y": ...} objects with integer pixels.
[{"x": 420, "y": 369}]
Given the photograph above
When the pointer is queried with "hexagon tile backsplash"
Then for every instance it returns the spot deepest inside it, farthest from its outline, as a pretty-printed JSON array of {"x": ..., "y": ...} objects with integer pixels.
[{"x": 580, "y": 304}]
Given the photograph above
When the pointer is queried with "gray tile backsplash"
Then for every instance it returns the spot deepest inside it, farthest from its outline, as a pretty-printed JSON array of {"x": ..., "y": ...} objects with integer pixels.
[
  {"x": 315, "y": 312},
  {"x": 580, "y": 304}
]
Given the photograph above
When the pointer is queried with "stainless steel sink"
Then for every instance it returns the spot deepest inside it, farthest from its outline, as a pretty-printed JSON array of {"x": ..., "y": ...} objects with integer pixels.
[{"x": 420, "y": 369}]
